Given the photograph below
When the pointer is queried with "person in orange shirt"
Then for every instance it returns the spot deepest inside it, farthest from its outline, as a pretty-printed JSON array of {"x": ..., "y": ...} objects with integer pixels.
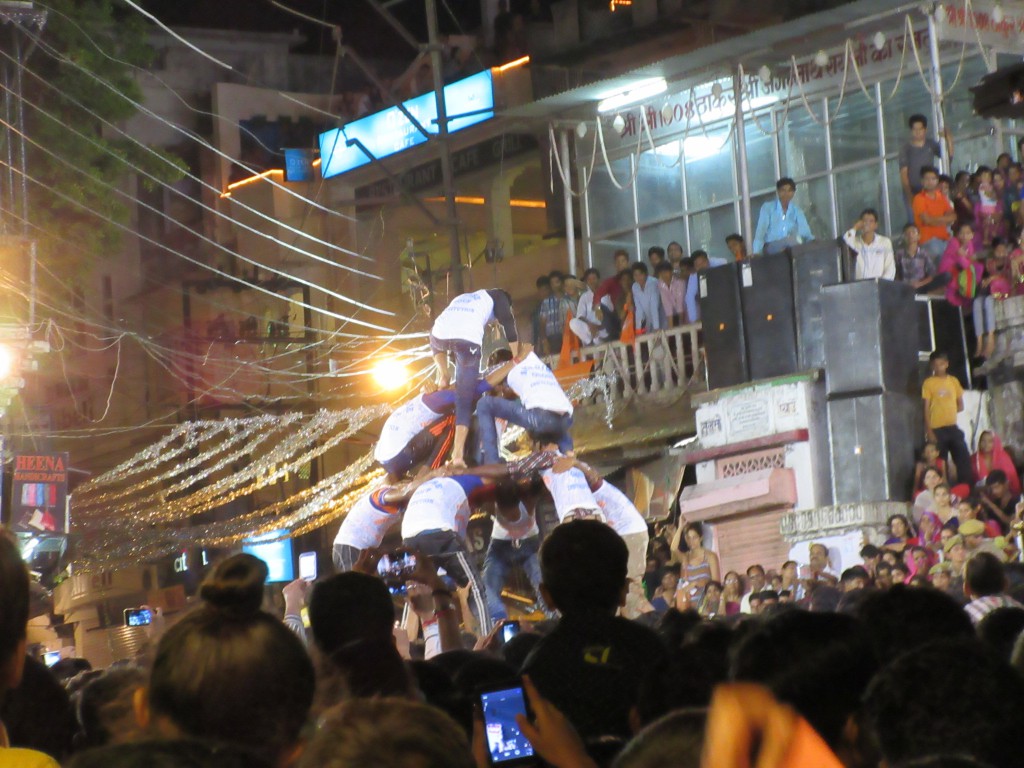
[{"x": 933, "y": 214}]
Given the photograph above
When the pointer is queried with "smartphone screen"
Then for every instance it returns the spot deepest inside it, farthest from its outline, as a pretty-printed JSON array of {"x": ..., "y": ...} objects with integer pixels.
[
  {"x": 137, "y": 617},
  {"x": 509, "y": 630},
  {"x": 307, "y": 566},
  {"x": 51, "y": 657},
  {"x": 395, "y": 568},
  {"x": 505, "y": 742}
]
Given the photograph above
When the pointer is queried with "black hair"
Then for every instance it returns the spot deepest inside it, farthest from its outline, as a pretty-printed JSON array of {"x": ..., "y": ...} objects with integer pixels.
[
  {"x": 869, "y": 551},
  {"x": 980, "y": 699},
  {"x": 624, "y": 273},
  {"x": 917, "y": 117},
  {"x": 1002, "y": 155},
  {"x": 869, "y": 212},
  {"x": 768, "y": 594},
  {"x": 543, "y": 281},
  {"x": 556, "y": 274},
  {"x": 686, "y": 261},
  {"x": 1000, "y": 629},
  {"x": 943, "y": 177},
  {"x": 104, "y": 704},
  {"x": 734, "y": 236},
  {"x": 938, "y": 354},
  {"x": 350, "y": 606},
  {"x": 583, "y": 566},
  {"x": 700, "y": 253},
  {"x": 183, "y": 753},
  {"x": 230, "y": 672},
  {"x": 500, "y": 356},
  {"x": 655, "y": 250},
  {"x": 902, "y": 619},
  {"x": 38, "y": 714},
  {"x": 785, "y": 181},
  {"x": 929, "y": 169},
  {"x": 639, "y": 266},
  {"x": 676, "y": 244},
  {"x": 752, "y": 567},
  {"x": 591, "y": 271},
  {"x": 984, "y": 575},
  {"x": 662, "y": 268},
  {"x": 996, "y": 476},
  {"x": 855, "y": 572},
  {"x": 14, "y": 607}
]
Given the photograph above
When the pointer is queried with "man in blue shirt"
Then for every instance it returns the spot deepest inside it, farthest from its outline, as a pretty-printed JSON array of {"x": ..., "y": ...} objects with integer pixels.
[
  {"x": 646, "y": 300},
  {"x": 781, "y": 224},
  {"x": 701, "y": 261}
]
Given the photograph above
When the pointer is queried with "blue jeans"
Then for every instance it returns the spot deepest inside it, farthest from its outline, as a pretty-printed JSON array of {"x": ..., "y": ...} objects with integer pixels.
[
  {"x": 984, "y": 315},
  {"x": 533, "y": 420},
  {"x": 467, "y": 373},
  {"x": 501, "y": 557}
]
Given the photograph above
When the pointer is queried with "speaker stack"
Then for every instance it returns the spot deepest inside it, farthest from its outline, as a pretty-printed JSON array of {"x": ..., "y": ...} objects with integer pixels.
[
  {"x": 871, "y": 340},
  {"x": 721, "y": 316}
]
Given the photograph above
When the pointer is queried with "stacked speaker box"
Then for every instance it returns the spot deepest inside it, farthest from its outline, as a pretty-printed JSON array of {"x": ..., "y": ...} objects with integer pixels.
[
  {"x": 815, "y": 265},
  {"x": 766, "y": 292},
  {"x": 722, "y": 320},
  {"x": 874, "y": 399}
]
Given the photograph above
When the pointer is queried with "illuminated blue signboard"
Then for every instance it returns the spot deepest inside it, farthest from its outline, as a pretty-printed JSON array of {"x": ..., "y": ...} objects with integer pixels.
[{"x": 389, "y": 131}]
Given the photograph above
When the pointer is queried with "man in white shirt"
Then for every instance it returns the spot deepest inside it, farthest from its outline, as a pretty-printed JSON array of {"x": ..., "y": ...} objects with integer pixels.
[
  {"x": 756, "y": 580},
  {"x": 874, "y": 252},
  {"x": 542, "y": 407},
  {"x": 646, "y": 300},
  {"x": 366, "y": 524},
  {"x": 586, "y": 324}
]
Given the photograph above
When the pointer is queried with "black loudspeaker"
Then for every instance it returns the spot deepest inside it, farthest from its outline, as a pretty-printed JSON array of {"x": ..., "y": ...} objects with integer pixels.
[
  {"x": 941, "y": 326},
  {"x": 722, "y": 321},
  {"x": 766, "y": 293},
  {"x": 815, "y": 265},
  {"x": 871, "y": 338},
  {"x": 873, "y": 439}
]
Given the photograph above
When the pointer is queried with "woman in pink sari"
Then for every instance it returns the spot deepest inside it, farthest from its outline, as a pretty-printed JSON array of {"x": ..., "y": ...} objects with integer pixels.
[{"x": 991, "y": 455}]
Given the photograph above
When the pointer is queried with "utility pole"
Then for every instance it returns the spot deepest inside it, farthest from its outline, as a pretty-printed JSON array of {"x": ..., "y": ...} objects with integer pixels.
[{"x": 434, "y": 47}]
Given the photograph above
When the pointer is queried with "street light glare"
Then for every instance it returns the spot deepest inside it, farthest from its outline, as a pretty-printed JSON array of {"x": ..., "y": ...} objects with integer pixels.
[{"x": 390, "y": 373}]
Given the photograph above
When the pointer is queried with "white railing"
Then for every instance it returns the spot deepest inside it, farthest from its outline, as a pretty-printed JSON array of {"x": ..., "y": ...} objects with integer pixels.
[{"x": 662, "y": 361}]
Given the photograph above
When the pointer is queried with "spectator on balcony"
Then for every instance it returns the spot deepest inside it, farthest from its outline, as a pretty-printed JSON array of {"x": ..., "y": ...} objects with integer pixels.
[
  {"x": 920, "y": 152},
  {"x": 874, "y": 251},
  {"x": 933, "y": 214},
  {"x": 756, "y": 579},
  {"x": 646, "y": 300},
  {"x": 918, "y": 267},
  {"x": 587, "y": 323},
  {"x": 962, "y": 196},
  {"x": 781, "y": 223},
  {"x": 673, "y": 295},
  {"x": 555, "y": 310},
  {"x": 991, "y": 455},
  {"x": 612, "y": 286},
  {"x": 737, "y": 246},
  {"x": 943, "y": 400},
  {"x": 674, "y": 252},
  {"x": 958, "y": 262},
  {"x": 701, "y": 261},
  {"x": 1000, "y": 500},
  {"x": 655, "y": 255}
]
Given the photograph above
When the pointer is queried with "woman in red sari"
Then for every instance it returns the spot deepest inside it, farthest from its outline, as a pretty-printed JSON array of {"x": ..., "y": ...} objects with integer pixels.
[{"x": 991, "y": 455}]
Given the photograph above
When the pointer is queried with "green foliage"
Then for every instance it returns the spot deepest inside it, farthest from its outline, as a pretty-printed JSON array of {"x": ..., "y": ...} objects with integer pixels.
[{"x": 85, "y": 35}]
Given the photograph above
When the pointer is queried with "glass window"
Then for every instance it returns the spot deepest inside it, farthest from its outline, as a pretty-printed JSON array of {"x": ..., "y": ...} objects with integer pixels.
[
  {"x": 815, "y": 199},
  {"x": 760, "y": 153},
  {"x": 900, "y": 212},
  {"x": 659, "y": 191},
  {"x": 958, "y": 105},
  {"x": 802, "y": 141},
  {"x": 979, "y": 150},
  {"x": 663, "y": 234},
  {"x": 709, "y": 168},
  {"x": 610, "y": 207},
  {"x": 854, "y": 128},
  {"x": 604, "y": 251},
  {"x": 709, "y": 229},
  {"x": 856, "y": 190}
]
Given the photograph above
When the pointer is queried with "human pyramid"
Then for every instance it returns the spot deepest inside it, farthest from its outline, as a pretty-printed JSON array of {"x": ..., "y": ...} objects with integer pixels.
[{"x": 434, "y": 499}]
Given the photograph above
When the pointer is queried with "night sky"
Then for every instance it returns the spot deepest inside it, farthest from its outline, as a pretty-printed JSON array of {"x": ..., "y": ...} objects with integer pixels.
[{"x": 362, "y": 28}]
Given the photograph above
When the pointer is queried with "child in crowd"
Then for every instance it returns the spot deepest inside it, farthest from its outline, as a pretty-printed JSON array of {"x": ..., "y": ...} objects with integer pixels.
[
  {"x": 930, "y": 459},
  {"x": 1015, "y": 269},
  {"x": 988, "y": 210},
  {"x": 943, "y": 400},
  {"x": 958, "y": 262},
  {"x": 992, "y": 287}
]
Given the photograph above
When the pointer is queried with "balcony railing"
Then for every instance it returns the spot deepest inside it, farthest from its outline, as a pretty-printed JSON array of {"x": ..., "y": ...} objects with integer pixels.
[{"x": 660, "y": 362}]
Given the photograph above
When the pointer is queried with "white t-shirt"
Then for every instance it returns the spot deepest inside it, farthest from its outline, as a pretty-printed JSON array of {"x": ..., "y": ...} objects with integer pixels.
[
  {"x": 537, "y": 386},
  {"x": 522, "y": 528},
  {"x": 368, "y": 521},
  {"x": 440, "y": 504},
  {"x": 404, "y": 423},
  {"x": 619, "y": 512},
  {"x": 465, "y": 318},
  {"x": 570, "y": 491}
]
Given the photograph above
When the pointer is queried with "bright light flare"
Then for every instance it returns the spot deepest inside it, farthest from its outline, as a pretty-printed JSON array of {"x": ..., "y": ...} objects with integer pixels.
[
  {"x": 6, "y": 361},
  {"x": 390, "y": 373}
]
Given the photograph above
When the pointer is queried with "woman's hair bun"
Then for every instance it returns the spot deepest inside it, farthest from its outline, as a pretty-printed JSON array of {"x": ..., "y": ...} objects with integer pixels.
[{"x": 236, "y": 586}]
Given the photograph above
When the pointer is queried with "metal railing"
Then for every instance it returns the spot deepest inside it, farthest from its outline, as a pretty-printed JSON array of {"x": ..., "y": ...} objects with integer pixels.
[{"x": 657, "y": 362}]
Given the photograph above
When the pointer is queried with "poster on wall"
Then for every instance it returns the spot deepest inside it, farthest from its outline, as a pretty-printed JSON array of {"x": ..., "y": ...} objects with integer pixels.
[{"x": 39, "y": 493}]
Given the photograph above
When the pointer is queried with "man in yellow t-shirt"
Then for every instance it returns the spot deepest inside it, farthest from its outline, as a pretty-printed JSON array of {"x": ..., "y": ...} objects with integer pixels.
[{"x": 943, "y": 400}]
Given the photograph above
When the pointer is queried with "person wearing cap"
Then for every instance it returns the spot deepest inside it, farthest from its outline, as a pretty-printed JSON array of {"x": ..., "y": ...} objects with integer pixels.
[
  {"x": 973, "y": 533},
  {"x": 955, "y": 554},
  {"x": 941, "y": 575}
]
